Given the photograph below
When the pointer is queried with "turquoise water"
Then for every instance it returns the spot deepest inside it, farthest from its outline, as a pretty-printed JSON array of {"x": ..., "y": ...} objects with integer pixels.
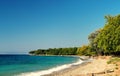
[{"x": 12, "y": 65}]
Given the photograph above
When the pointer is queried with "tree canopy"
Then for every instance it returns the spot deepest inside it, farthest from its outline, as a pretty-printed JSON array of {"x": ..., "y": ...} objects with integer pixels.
[
  {"x": 55, "y": 51},
  {"x": 108, "y": 40}
]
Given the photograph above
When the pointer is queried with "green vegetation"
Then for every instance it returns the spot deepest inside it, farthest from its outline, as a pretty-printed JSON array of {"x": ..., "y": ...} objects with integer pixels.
[
  {"x": 113, "y": 60},
  {"x": 55, "y": 51},
  {"x": 93, "y": 44},
  {"x": 85, "y": 50},
  {"x": 108, "y": 41},
  {"x": 105, "y": 41}
]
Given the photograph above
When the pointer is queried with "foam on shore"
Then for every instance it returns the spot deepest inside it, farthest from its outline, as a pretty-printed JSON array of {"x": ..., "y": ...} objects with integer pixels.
[{"x": 49, "y": 71}]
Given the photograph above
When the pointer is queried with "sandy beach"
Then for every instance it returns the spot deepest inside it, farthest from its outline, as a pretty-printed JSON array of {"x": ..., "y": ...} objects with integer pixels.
[{"x": 98, "y": 67}]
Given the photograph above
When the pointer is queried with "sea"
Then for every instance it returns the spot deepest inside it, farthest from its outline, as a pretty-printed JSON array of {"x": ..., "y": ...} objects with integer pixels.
[{"x": 27, "y": 65}]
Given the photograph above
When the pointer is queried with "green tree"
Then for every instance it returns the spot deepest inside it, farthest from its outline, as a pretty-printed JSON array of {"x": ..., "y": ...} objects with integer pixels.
[
  {"x": 93, "y": 45},
  {"x": 109, "y": 38},
  {"x": 85, "y": 50}
]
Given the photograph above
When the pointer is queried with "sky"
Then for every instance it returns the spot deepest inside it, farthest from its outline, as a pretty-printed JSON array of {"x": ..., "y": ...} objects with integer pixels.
[{"x": 27, "y": 25}]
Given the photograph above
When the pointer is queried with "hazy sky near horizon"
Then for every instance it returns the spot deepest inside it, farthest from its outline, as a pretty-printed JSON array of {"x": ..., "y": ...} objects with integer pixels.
[{"x": 32, "y": 24}]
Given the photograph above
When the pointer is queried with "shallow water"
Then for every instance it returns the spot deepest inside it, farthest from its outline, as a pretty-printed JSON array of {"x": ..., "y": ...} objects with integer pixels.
[{"x": 12, "y": 65}]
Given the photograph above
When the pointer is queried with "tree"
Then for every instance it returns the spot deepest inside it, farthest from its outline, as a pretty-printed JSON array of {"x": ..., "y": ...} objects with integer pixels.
[
  {"x": 109, "y": 38},
  {"x": 85, "y": 50},
  {"x": 55, "y": 51},
  {"x": 31, "y": 52},
  {"x": 93, "y": 45}
]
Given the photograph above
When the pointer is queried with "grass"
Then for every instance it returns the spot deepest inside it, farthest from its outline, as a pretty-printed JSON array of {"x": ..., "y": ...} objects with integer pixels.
[{"x": 113, "y": 60}]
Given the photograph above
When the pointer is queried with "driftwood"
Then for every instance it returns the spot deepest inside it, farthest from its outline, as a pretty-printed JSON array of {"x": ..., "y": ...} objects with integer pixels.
[
  {"x": 99, "y": 73},
  {"x": 104, "y": 72},
  {"x": 109, "y": 71}
]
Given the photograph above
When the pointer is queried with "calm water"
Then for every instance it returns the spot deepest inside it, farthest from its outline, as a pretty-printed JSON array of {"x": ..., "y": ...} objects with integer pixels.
[{"x": 12, "y": 65}]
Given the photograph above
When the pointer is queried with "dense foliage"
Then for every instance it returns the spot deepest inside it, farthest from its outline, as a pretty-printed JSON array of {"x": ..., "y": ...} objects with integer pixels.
[
  {"x": 85, "y": 50},
  {"x": 108, "y": 40},
  {"x": 93, "y": 44},
  {"x": 55, "y": 51}
]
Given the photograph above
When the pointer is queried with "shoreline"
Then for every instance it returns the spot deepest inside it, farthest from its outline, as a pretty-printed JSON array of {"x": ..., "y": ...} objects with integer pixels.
[
  {"x": 74, "y": 66},
  {"x": 63, "y": 71},
  {"x": 54, "y": 70},
  {"x": 81, "y": 57},
  {"x": 56, "y": 55},
  {"x": 97, "y": 67}
]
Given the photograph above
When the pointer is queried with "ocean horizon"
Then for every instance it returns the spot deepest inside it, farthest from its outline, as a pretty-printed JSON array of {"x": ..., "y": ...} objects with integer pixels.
[{"x": 27, "y": 65}]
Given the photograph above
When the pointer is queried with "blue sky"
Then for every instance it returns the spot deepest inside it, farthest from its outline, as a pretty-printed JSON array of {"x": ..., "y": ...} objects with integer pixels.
[{"x": 32, "y": 24}]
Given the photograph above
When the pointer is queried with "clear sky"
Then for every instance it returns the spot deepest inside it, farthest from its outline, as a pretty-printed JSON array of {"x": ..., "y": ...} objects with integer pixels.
[{"x": 32, "y": 24}]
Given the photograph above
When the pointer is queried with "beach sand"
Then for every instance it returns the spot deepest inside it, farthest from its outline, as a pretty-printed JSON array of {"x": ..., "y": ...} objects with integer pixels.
[{"x": 97, "y": 67}]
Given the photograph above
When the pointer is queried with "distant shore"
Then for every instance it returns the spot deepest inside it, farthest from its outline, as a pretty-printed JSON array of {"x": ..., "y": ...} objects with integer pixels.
[{"x": 81, "y": 57}]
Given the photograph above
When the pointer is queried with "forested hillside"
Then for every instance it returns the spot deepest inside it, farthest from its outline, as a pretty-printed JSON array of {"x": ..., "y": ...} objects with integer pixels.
[{"x": 55, "y": 51}]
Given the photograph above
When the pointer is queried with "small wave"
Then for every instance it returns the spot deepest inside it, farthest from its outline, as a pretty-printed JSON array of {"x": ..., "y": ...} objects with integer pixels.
[{"x": 49, "y": 71}]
